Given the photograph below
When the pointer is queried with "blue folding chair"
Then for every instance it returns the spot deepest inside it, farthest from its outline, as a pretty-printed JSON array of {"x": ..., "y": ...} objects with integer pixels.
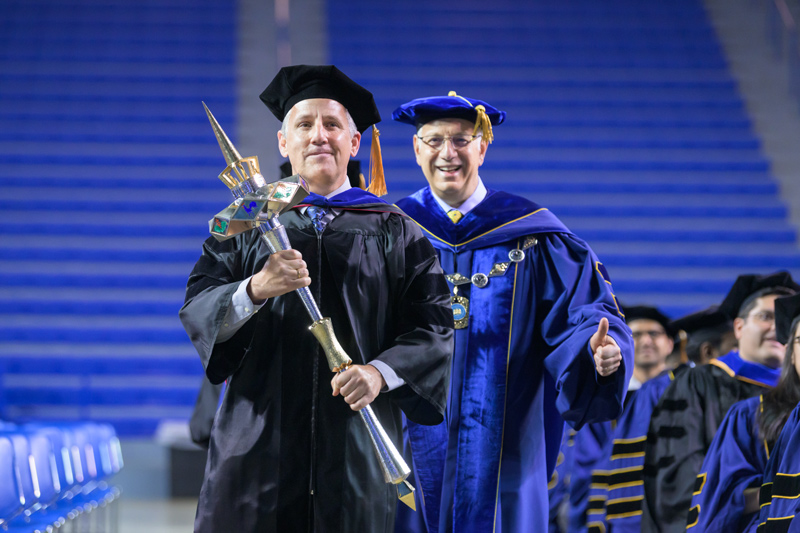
[{"x": 11, "y": 504}]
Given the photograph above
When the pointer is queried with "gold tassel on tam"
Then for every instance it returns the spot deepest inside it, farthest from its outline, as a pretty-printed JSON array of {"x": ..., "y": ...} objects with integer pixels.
[
  {"x": 482, "y": 122},
  {"x": 377, "y": 181}
]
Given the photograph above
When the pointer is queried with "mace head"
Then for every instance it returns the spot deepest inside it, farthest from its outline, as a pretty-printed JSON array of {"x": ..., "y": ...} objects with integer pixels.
[
  {"x": 263, "y": 206},
  {"x": 242, "y": 175},
  {"x": 228, "y": 150}
]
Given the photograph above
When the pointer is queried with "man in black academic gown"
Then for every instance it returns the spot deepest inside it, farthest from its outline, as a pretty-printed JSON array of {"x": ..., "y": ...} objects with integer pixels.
[
  {"x": 288, "y": 452},
  {"x": 205, "y": 407},
  {"x": 692, "y": 408}
]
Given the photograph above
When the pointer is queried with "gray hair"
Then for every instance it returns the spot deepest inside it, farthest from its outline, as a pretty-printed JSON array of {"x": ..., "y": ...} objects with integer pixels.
[{"x": 350, "y": 122}]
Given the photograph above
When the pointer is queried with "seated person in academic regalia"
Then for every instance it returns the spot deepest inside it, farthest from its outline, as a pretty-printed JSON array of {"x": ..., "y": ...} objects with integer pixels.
[
  {"x": 779, "y": 422},
  {"x": 693, "y": 406},
  {"x": 288, "y": 450},
  {"x": 539, "y": 337},
  {"x": 726, "y": 493},
  {"x": 615, "y": 491}
]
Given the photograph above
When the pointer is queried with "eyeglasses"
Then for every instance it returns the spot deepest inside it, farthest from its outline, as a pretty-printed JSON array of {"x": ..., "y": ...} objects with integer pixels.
[
  {"x": 459, "y": 142},
  {"x": 764, "y": 316},
  {"x": 654, "y": 334}
]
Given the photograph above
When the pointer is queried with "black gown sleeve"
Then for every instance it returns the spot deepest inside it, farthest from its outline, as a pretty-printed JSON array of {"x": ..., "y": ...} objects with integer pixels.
[
  {"x": 214, "y": 279},
  {"x": 422, "y": 347}
]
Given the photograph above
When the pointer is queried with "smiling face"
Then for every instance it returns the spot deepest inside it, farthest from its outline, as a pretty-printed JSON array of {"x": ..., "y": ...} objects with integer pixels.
[
  {"x": 651, "y": 344},
  {"x": 451, "y": 173},
  {"x": 756, "y": 334},
  {"x": 318, "y": 143}
]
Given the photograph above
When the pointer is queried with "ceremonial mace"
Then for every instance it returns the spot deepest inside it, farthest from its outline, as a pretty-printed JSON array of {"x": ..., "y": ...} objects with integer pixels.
[{"x": 258, "y": 204}]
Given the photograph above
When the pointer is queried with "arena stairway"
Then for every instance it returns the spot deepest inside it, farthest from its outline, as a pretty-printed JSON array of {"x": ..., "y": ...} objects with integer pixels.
[
  {"x": 623, "y": 119},
  {"x": 107, "y": 180}
]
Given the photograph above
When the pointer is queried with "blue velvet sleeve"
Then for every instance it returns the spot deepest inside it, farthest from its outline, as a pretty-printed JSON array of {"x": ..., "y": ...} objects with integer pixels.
[
  {"x": 558, "y": 486},
  {"x": 574, "y": 293},
  {"x": 780, "y": 491},
  {"x": 589, "y": 452},
  {"x": 735, "y": 461}
]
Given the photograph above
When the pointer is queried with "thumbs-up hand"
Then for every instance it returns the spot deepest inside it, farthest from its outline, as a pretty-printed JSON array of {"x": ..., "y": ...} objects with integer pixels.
[{"x": 607, "y": 356}]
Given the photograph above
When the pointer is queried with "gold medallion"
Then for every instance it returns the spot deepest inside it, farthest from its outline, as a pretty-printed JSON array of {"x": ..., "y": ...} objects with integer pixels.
[{"x": 460, "y": 307}]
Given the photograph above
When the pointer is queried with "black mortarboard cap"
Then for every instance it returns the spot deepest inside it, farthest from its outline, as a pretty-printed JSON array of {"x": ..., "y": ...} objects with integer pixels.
[
  {"x": 354, "y": 174},
  {"x": 637, "y": 312},
  {"x": 301, "y": 82},
  {"x": 711, "y": 317},
  {"x": 786, "y": 310},
  {"x": 747, "y": 284}
]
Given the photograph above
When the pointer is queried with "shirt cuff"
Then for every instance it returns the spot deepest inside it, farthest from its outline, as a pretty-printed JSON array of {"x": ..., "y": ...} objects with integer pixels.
[
  {"x": 389, "y": 376},
  {"x": 239, "y": 312}
]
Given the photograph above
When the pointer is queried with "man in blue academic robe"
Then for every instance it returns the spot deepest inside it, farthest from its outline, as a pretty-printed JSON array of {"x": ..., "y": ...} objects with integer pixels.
[{"x": 539, "y": 336}]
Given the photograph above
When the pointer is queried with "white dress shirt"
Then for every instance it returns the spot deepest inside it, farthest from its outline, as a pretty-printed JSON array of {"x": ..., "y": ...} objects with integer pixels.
[{"x": 474, "y": 199}]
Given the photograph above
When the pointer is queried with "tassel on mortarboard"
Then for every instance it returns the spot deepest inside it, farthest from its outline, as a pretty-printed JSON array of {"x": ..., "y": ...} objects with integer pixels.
[
  {"x": 482, "y": 121},
  {"x": 377, "y": 182},
  {"x": 683, "y": 337}
]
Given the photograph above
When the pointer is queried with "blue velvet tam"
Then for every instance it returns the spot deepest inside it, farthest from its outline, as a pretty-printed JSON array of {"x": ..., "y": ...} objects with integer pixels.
[{"x": 423, "y": 110}]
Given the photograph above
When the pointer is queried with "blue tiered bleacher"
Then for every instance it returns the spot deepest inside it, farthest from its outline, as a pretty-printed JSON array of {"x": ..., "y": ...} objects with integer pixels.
[
  {"x": 623, "y": 119},
  {"x": 108, "y": 169},
  {"x": 107, "y": 180}
]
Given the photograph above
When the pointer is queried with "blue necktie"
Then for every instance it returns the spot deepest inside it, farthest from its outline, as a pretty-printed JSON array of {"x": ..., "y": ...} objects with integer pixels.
[{"x": 317, "y": 214}]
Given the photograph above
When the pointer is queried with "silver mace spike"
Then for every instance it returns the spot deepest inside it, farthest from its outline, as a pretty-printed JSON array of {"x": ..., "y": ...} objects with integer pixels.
[
  {"x": 228, "y": 150},
  {"x": 258, "y": 204}
]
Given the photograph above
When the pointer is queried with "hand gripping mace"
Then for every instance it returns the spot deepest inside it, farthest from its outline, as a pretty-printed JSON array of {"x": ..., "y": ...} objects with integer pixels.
[{"x": 258, "y": 204}]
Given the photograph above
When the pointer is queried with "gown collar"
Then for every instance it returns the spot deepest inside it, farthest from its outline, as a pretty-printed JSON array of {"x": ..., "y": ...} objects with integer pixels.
[
  {"x": 477, "y": 197},
  {"x": 500, "y": 217},
  {"x": 350, "y": 198},
  {"x": 735, "y": 366}
]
